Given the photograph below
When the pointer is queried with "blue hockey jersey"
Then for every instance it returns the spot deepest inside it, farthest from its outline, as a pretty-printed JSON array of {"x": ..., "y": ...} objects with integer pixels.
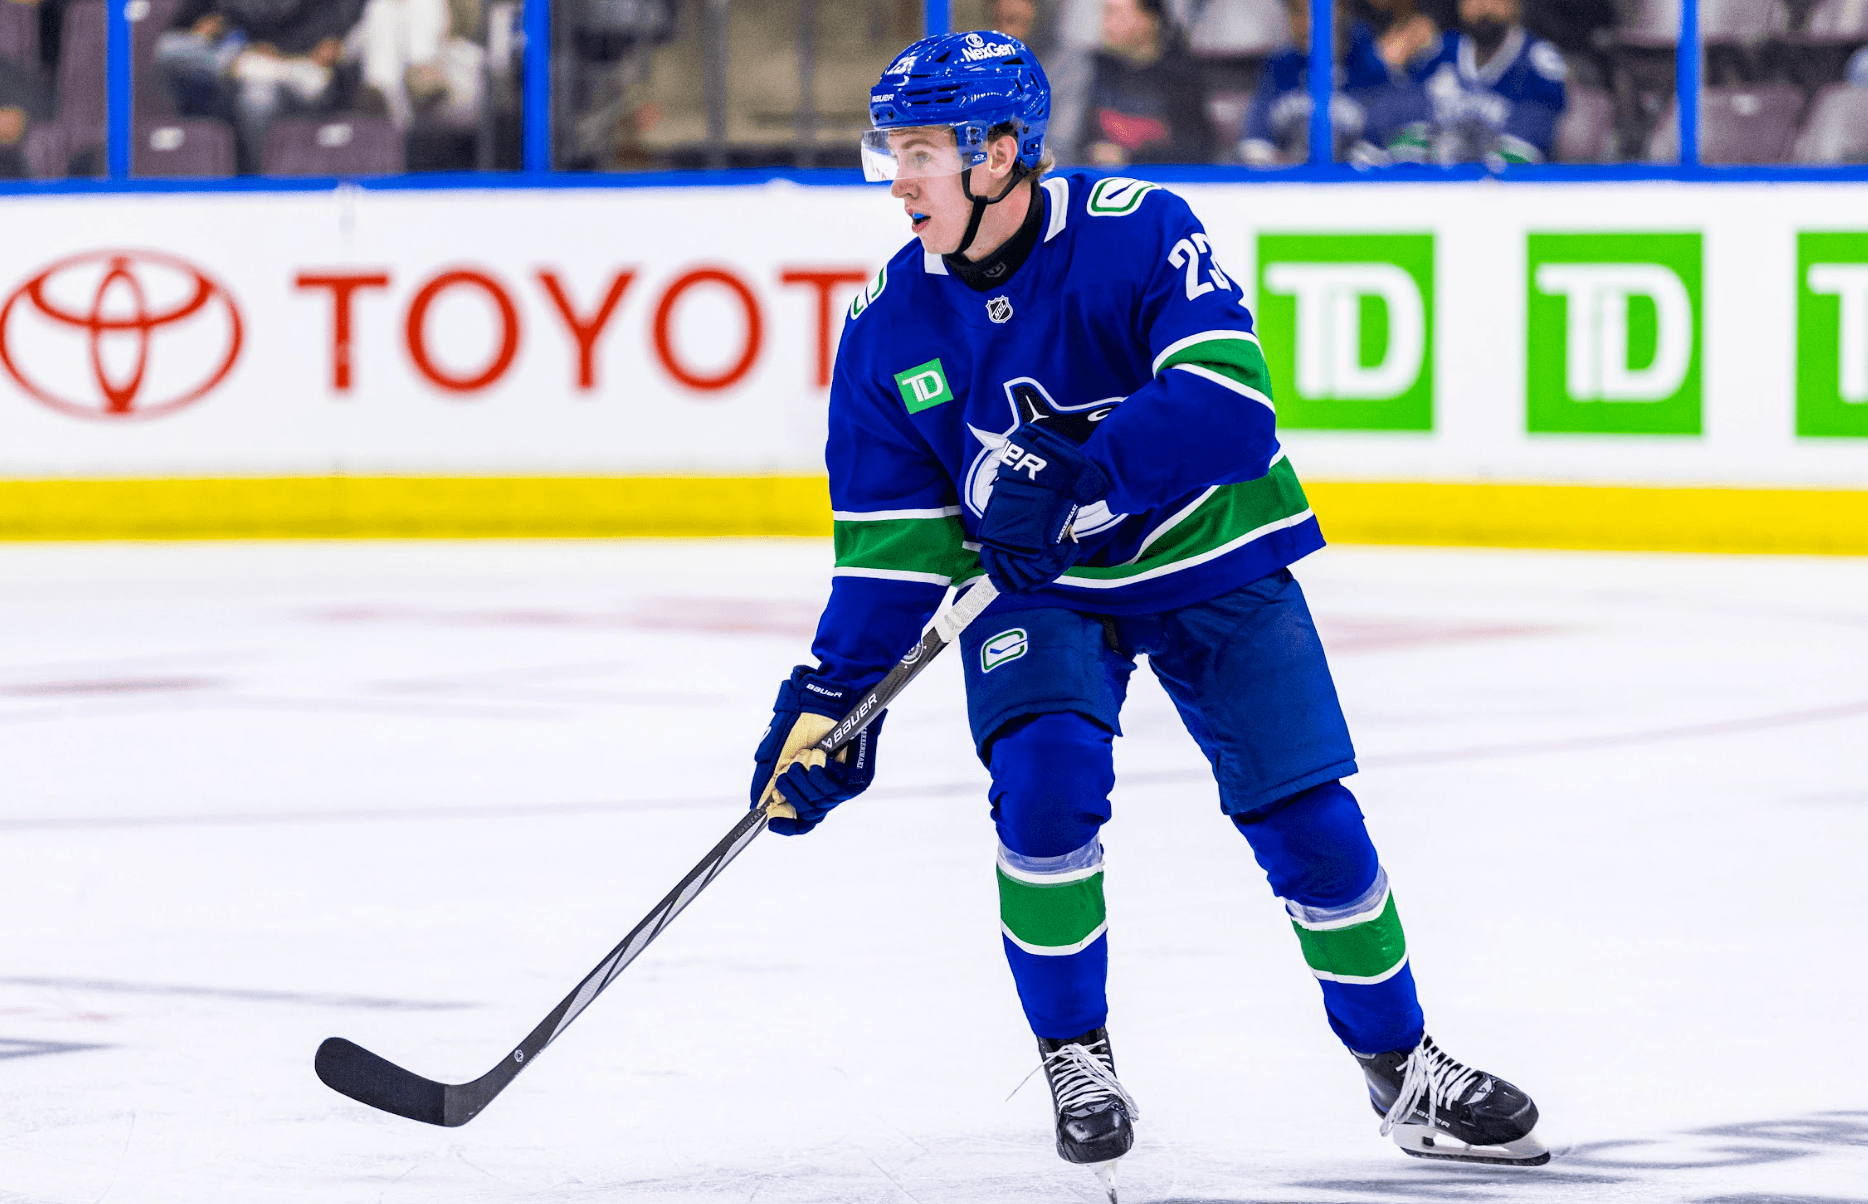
[
  {"x": 1120, "y": 306},
  {"x": 1509, "y": 107}
]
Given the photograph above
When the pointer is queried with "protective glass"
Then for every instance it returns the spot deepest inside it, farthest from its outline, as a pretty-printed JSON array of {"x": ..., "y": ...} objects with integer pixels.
[{"x": 910, "y": 154}]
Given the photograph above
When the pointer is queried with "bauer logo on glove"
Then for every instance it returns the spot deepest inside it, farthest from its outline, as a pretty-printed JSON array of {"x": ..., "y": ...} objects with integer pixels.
[{"x": 1044, "y": 479}]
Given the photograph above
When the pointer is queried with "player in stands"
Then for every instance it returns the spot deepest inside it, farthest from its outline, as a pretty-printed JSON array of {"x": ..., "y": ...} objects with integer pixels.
[
  {"x": 1058, "y": 385},
  {"x": 1492, "y": 92}
]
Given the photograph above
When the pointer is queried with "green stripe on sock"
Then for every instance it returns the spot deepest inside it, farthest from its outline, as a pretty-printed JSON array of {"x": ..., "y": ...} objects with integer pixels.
[
  {"x": 921, "y": 545},
  {"x": 1367, "y": 950},
  {"x": 1052, "y": 917}
]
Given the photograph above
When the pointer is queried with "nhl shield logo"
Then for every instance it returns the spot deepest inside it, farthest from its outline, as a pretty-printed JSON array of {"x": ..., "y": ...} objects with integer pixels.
[{"x": 999, "y": 309}]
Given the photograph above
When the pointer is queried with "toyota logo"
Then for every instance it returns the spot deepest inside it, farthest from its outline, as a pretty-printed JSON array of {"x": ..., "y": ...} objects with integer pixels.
[{"x": 119, "y": 335}]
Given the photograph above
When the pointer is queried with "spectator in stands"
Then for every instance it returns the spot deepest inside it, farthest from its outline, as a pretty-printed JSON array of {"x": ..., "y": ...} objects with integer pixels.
[
  {"x": 1277, "y": 127},
  {"x": 254, "y": 60},
  {"x": 1493, "y": 92},
  {"x": 24, "y": 99},
  {"x": 1404, "y": 30},
  {"x": 414, "y": 60},
  {"x": 1021, "y": 19},
  {"x": 1857, "y": 70},
  {"x": 1145, "y": 104}
]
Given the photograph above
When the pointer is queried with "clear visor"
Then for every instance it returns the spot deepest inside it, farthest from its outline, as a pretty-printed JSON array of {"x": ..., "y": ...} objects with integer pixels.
[{"x": 910, "y": 154}]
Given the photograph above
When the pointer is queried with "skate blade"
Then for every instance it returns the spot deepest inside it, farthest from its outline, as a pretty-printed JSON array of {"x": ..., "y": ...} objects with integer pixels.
[
  {"x": 1425, "y": 1141},
  {"x": 1105, "y": 1173}
]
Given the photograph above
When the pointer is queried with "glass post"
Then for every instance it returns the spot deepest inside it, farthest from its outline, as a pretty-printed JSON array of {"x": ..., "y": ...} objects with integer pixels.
[
  {"x": 937, "y": 17},
  {"x": 1322, "y": 80},
  {"x": 1686, "y": 75},
  {"x": 117, "y": 99},
  {"x": 536, "y": 102}
]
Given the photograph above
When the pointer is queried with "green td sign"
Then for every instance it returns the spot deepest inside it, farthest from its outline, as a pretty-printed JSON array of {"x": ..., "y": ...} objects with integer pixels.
[
  {"x": 1832, "y": 335},
  {"x": 1613, "y": 339},
  {"x": 1347, "y": 325}
]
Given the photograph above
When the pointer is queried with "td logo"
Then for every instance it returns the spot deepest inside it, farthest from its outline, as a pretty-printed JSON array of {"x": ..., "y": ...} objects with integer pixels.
[
  {"x": 1347, "y": 324},
  {"x": 1614, "y": 334},
  {"x": 1832, "y": 334},
  {"x": 923, "y": 386}
]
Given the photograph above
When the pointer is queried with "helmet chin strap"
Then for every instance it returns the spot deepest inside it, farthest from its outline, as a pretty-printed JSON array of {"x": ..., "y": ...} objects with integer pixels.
[{"x": 1019, "y": 172}]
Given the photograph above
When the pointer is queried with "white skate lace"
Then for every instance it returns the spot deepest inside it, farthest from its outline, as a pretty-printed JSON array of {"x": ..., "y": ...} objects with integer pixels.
[
  {"x": 1079, "y": 1077},
  {"x": 1433, "y": 1075}
]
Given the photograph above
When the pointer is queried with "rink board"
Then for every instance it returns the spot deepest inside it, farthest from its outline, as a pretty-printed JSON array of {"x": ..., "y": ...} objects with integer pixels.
[{"x": 1653, "y": 365}]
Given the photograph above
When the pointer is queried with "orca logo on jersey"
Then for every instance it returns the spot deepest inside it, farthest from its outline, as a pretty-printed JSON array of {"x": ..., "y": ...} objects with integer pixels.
[
  {"x": 999, "y": 309},
  {"x": 1028, "y": 401}
]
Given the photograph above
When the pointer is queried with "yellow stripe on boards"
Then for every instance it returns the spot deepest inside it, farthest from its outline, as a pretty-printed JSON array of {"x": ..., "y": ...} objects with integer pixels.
[
  {"x": 1618, "y": 518},
  {"x": 413, "y": 507},
  {"x": 1526, "y": 516}
]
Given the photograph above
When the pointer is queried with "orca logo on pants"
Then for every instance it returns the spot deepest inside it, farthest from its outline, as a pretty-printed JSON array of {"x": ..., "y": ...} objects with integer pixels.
[
  {"x": 1001, "y": 648},
  {"x": 1613, "y": 318}
]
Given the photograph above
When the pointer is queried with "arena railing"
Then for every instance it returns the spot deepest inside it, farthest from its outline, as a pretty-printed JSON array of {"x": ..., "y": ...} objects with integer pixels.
[{"x": 538, "y": 171}]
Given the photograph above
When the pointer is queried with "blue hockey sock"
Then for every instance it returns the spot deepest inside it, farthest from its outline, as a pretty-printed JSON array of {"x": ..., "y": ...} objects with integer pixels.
[
  {"x": 1051, "y": 777},
  {"x": 1316, "y": 851},
  {"x": 1056, "y": 940}
]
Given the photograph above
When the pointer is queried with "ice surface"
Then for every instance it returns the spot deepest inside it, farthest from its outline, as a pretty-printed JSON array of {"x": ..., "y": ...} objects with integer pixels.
[{"x": 255, "y": 795}]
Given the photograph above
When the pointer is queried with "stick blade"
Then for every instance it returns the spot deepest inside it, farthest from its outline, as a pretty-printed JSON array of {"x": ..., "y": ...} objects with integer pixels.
[{"x": 349, "y": 1069}]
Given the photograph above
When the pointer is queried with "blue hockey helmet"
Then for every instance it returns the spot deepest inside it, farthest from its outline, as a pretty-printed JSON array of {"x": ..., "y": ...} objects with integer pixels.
[{"x": 969, "y": 83}]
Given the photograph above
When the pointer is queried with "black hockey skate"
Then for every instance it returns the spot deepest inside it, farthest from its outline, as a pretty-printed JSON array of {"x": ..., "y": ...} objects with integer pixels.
[
  {"x": 1435, "y": 1107},
  {"x": 1095, "y": 1115}
]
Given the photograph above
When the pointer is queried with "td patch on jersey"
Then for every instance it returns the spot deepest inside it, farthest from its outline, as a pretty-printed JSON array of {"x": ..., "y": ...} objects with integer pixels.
[
  {"x": 923, "y": 386},
  {"x": 1006, "y": 646}
]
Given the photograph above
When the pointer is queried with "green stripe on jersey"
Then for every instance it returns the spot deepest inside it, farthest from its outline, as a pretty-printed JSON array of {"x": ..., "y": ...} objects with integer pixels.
[
  {"x": 911, "y": 545},
  {"x": 1370, "y": 951},
  {"x": 1229, "y": 516},
  {"x": 1234, "y": 358},
  {"x": 1052, "y": 920}
]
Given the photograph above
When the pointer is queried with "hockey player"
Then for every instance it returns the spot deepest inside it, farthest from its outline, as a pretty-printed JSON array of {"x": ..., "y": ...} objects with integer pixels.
[{"x": 1056, "y": 383}]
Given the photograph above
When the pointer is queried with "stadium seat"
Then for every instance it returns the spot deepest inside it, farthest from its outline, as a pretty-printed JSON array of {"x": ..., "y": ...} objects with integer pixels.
[
  {"x": 46, "y": 150},
  {"x": 347, "y": 145},
  {"x": 1736, "y": 125},
  {"x": 19, "y": 33},
  {"x": 1587, "y": 132},
  {"x": 74, "y": 138},
  {"x": 176, "y": 146},
  {"x": 1739, "y": 20},
  {"x": 1239, "y": 28},
  {"x": 1837, "y": 21},
  {"x": 1836, "y": 130},
  {"x": 152, "y": 17},
  {"x": 1652, "y": 24},
  {"x": 1228, "y": 44}
]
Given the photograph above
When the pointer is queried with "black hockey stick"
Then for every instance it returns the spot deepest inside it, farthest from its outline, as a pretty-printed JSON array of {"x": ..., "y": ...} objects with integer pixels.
[{"x": 349, "y": 1068}]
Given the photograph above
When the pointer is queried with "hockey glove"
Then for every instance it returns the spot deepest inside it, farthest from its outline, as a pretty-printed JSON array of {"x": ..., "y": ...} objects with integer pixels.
[
  {"x": 1025, "y": 536},
  {"x": 807, "y": 708}
]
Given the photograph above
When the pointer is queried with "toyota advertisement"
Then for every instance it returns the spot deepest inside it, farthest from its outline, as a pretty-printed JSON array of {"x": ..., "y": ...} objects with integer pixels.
[{"x": 1709, "y": 336}]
